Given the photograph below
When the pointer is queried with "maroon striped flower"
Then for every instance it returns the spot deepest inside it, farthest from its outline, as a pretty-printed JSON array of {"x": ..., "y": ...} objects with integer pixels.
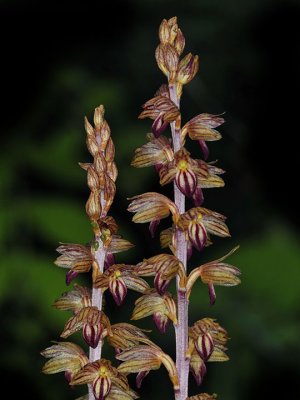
[
  {"x": 103, "y": 377},
  {"x": 117, "y": 279},
  {"x": 185, "y": 171},
  {"x": 92, "y": 322},
  {"x": 199, "y": 222}
]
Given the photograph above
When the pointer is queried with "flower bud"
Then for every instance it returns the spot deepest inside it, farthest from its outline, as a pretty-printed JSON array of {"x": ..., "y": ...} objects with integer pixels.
[
  {"x": 99, "y": 117},
  {"x": 167, "y": 60},
  {"x": 93, "y": 206},
  {"x": 172, "y": 22},
  {"x": 164, "y": 32},
  {"x": 179, "y": 42},
  {"x": 92, "y": 179},
  {"x": 92, "y": 145},
  {"x": 104, "y": 135},
  {"x": 187, "y": 69}
]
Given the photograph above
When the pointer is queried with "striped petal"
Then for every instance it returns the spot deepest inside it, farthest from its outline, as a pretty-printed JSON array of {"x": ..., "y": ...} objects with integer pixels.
[
  {"x": 186, "y": 182},
  {"x": 92, "y": 334},
  {"x": 204, "y": 345},
  {"x": 101, "y": 387},
  {"x": 118, "y": 289},
  {"x": 197, "y": 235}
]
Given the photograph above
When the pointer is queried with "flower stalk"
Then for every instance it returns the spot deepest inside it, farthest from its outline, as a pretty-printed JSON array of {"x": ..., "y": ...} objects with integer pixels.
[{"x": 181, "y": 329}]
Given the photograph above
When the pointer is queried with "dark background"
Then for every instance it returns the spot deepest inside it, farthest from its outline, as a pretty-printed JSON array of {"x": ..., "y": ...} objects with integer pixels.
[{"x": 59, "y": 61}]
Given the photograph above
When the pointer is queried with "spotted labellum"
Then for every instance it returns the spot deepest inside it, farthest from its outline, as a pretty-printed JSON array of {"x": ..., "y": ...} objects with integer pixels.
[{"x": 162, "y": 284}]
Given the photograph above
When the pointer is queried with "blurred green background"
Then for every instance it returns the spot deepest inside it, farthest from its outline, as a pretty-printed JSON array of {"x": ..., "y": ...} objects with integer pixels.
[{"x": 59, "y": 61}]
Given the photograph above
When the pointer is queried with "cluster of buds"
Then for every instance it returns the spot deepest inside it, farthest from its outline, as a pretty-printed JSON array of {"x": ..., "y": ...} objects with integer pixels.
[{"x": 190, "y": 229}]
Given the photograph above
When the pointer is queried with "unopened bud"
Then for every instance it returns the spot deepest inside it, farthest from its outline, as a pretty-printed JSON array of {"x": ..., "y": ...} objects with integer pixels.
[
  {"x": 179, "y": 42},
  {"x": 187, "y": 69},
  {"x": 172, "y": 22},
  {"x": 92, "y": 145},
  {"x": 100, "y": 163},
  {"x": 93, "y": 206},
  {"x": 164, "y": 32},
  {"x": 104, "y": 135},
  {"x": 167, "y": 60},
  {"x": 98, "y": 117},
  {"x": 92, "y": 179},
  {"x": 110, "y": 150},
  {"x": 88, "y": 127}
]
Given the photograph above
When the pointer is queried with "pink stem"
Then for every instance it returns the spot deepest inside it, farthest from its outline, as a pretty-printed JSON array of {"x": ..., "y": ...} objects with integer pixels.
[
  {"x": 181, "y": 329},
  {"x": 97, "y": 299}
]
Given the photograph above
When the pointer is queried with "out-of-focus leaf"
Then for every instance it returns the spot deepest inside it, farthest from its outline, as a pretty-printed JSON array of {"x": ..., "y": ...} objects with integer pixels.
[{"x": 60, "y": 220}]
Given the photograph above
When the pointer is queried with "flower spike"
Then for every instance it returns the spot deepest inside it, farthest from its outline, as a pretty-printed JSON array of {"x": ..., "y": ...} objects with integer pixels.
[{"x": 191, "y": 229}]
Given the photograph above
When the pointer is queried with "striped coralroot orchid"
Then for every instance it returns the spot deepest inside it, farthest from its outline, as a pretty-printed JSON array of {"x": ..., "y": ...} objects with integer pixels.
[
  {"x": 205, "y": 340},
  {"x": 190, "y": 229},
  {"x": 104, "y": 380}
]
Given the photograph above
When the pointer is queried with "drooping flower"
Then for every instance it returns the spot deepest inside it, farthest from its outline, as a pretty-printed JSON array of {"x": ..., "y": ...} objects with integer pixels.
[
  {"x": 64, "y": 357},
  {"x": 201, "y": 128},
  {"x": 103, "y": 377},
  {"x": 162, "y": 307},
  {"x": 198, "y": 222},
  {"x": 76, "y": 257},
  {"x": 75, "y": 299},
  {"x": 184, "y": 170},
  {"x": 152, "y": 206},
  {"x": 118, "y": 278},
  {"x": 123, "y": 336},
  {"x": 143, "y": 358},
  {"x": 164, "y": 267},
  {"x": 92, "y": 322},
  {"x": 162, "y": 110},
  {"x": 207, "y": 340},
  {"x": 157, "y": 151},
  {"x": 215, "y": 273}
]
